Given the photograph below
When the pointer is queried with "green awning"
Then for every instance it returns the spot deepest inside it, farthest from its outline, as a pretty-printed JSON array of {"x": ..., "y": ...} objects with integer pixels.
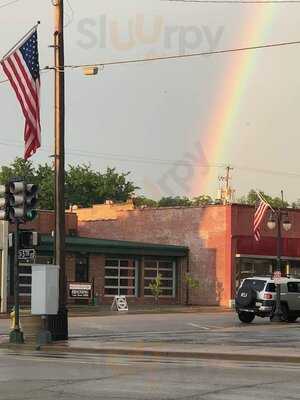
[{"x": 104, "y": 246}]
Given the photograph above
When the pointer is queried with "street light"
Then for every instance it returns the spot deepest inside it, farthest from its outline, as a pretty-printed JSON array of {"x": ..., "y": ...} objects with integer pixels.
[{"x": 279, "y": 219}]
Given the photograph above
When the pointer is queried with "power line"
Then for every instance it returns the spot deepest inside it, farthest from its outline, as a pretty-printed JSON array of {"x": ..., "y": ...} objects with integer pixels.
[
  {"x": 177, "y": 56},
  {"x": 156, "y": 161},
  {"x": 9, "y": 3}
]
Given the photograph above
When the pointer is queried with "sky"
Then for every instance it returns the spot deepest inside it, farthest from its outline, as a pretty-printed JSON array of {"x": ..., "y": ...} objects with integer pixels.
[{"x": 174, "y": 124}]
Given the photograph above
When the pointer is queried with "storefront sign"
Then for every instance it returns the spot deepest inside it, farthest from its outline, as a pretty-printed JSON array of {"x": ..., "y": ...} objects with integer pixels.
[{"x": 80, "y": 290}]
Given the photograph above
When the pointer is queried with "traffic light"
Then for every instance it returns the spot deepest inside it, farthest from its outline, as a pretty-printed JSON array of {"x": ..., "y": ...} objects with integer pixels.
[
  {"x": 4, "y": 200},
  {"x": 31, "y": 202},
  {"x": 22, "y": 201},
  {"x": 17, "y": 198}
]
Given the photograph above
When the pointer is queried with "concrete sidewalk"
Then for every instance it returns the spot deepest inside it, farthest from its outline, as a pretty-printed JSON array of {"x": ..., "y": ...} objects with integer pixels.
[
  {"x": 226, "y": 352},
  {"x": 105, "y": 310}
]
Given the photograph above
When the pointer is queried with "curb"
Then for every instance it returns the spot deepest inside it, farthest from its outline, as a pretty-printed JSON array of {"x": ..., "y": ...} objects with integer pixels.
[
  {"x": 92, "y": 313},
  {"x": 159, "y": 353}
]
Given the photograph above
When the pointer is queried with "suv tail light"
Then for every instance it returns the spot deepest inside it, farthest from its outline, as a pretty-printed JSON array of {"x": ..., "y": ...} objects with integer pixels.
[{"x": 268, "y": 296}]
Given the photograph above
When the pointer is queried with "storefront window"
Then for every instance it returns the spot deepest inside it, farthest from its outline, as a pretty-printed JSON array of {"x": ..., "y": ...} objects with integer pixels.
[
  {"x": 121, "y": 277},
  {"x": 164, "y": 268},
  {"x": 247, "y": 267}
]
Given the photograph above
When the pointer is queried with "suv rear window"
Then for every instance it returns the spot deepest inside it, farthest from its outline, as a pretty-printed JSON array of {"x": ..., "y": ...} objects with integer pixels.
[
  {"x": 271, "y": 288},
  {"x": 255, "y": 284}
]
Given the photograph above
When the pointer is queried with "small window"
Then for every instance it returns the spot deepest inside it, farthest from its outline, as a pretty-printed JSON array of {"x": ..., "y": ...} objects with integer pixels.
[
  {"x": 271, "y": 288},
  {"x": 255, "y": 284},
  {"x": 81, "y": 269},
  {"x": 294, "y": 287}
]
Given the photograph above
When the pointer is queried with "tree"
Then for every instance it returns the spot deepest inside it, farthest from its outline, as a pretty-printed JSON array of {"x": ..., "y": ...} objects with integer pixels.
[
  {"x": 252, "y": 199},
  {"x": 191, "y": 283},
  {"x": 143, "y": 201},
  {"x": 18, "y": 167},
  {"x": 202, "y": 200},
  {"x": 156, "y": 287},
  {"x": 83, "y": 186},
  {"x": 174, "y": 202}
]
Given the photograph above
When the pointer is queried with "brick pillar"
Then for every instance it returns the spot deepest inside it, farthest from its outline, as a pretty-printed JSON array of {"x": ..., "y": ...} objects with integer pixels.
[
  {"x": 97, "y": 272},
  {"x": 70, "y": 267}
]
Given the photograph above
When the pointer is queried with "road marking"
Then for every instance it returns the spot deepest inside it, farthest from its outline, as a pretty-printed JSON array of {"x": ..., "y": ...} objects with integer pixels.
[{"x": 206, "y": 328}]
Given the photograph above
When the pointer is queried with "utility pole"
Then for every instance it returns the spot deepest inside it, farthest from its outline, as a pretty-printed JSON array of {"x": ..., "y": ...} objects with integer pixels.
[
  {"x": 226, "y": 192},
  {"x": 58, "y": 325}
]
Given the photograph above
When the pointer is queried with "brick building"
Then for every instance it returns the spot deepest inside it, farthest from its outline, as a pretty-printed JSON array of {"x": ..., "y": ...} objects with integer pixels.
[
  {"x": 122, "y": 249},
  {"x": 115, "y": 267},
  {"x": 222, "y": 249}
]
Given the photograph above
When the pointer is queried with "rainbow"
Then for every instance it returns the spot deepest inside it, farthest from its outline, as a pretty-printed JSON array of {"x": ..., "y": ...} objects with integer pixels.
[{"x": 219, "y": 129}]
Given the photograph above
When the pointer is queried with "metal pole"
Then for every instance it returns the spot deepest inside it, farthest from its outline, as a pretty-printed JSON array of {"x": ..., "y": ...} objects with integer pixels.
[
  {"x": 61, "y": 324},
  {"x": 277, "y": 317},
  {"x": 16, "y": 336}
]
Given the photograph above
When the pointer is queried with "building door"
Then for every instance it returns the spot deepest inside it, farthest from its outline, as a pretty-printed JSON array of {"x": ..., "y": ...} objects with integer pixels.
[{"x": 82, "y": 269}]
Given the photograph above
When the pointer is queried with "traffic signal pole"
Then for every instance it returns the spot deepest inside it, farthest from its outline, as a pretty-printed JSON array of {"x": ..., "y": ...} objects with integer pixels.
[
  {"x": 16, "y": 335},
  {"x": 61, "y": 325}
]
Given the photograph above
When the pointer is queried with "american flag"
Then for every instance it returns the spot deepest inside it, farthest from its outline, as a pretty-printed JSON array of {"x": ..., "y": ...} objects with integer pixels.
[
  {"x": 23, "y": 71},
  {"x": 258, "y": 217}
]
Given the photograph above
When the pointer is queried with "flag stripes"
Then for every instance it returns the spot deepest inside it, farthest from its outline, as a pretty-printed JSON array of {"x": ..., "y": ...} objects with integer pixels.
[
  {"x": 22, "y": 69},
  {"x": 258, "y": 217}
]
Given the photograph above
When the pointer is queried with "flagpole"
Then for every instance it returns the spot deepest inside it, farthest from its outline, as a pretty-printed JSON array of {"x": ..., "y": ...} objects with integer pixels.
[
  {"x": 20, "y": 41},
  {"x": 263, "y": 199}
]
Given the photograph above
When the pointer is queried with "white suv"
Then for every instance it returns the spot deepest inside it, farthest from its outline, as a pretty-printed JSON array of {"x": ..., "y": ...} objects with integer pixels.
[{"x": 257, "y": 296}]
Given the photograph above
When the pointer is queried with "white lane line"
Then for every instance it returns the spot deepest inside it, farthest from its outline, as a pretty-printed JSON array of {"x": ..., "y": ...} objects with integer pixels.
[{"x": 206, "y": 328}]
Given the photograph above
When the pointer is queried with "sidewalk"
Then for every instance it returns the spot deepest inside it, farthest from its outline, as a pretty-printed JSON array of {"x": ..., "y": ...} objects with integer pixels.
[
  {"x": 190, "y": 351},
  {"x": 105, "y": 310}
]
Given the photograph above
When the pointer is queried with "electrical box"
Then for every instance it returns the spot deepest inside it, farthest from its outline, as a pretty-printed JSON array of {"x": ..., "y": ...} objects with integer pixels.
[{"x": 45, "y": 289}]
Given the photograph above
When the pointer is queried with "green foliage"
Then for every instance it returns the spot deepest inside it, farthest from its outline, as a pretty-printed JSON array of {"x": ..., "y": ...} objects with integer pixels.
[
  {"x": 155, "y": 287},
  {"x": 174, "y": 202},
  {"x": 191, "y": 282},
  {"x": 83, "y": 187},
  {"x": 252, "y": 199},
  {"x": 143, "y": 201},
  {"x": 202, "y": 200}
]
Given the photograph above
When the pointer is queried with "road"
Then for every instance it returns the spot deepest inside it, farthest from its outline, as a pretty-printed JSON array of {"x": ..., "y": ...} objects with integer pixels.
[
  {"x": 198, "y": 328},
  {"x": 37, "y": 376}
]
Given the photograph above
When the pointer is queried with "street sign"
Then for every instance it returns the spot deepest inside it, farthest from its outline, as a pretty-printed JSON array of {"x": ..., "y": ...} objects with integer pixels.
[
  {"x": 27, "y": 255},
  {"x": 278, "y": 279},
  {"x": 80, "y": 290},
  {"x": 119, "y": 303}
]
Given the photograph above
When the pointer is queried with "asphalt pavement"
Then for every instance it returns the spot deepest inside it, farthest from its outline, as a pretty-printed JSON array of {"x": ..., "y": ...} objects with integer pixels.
[{"x": 38, "y": 375}]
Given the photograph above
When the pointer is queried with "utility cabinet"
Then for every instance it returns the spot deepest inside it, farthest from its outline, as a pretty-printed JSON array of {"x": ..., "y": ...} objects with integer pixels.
[{"x": 45, "y": 289}]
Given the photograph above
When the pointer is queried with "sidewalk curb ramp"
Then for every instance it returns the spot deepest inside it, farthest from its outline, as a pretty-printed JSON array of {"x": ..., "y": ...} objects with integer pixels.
[{"x": 54, "y": 349}]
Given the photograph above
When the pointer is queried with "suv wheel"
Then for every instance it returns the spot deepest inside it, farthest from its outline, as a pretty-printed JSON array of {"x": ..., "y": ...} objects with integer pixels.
[{"x": 246, "y": 317}]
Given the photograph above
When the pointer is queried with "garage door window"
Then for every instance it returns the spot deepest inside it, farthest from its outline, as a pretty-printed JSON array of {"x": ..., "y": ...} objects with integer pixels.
[
  {"x": 120, "y": 277},
  {"x": 164, "y": 268}
]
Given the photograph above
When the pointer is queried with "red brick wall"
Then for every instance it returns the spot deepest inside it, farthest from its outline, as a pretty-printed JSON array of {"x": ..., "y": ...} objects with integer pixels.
[
  {"x": 202, "y": 229},
  {"x": 44, "y": 223}
]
